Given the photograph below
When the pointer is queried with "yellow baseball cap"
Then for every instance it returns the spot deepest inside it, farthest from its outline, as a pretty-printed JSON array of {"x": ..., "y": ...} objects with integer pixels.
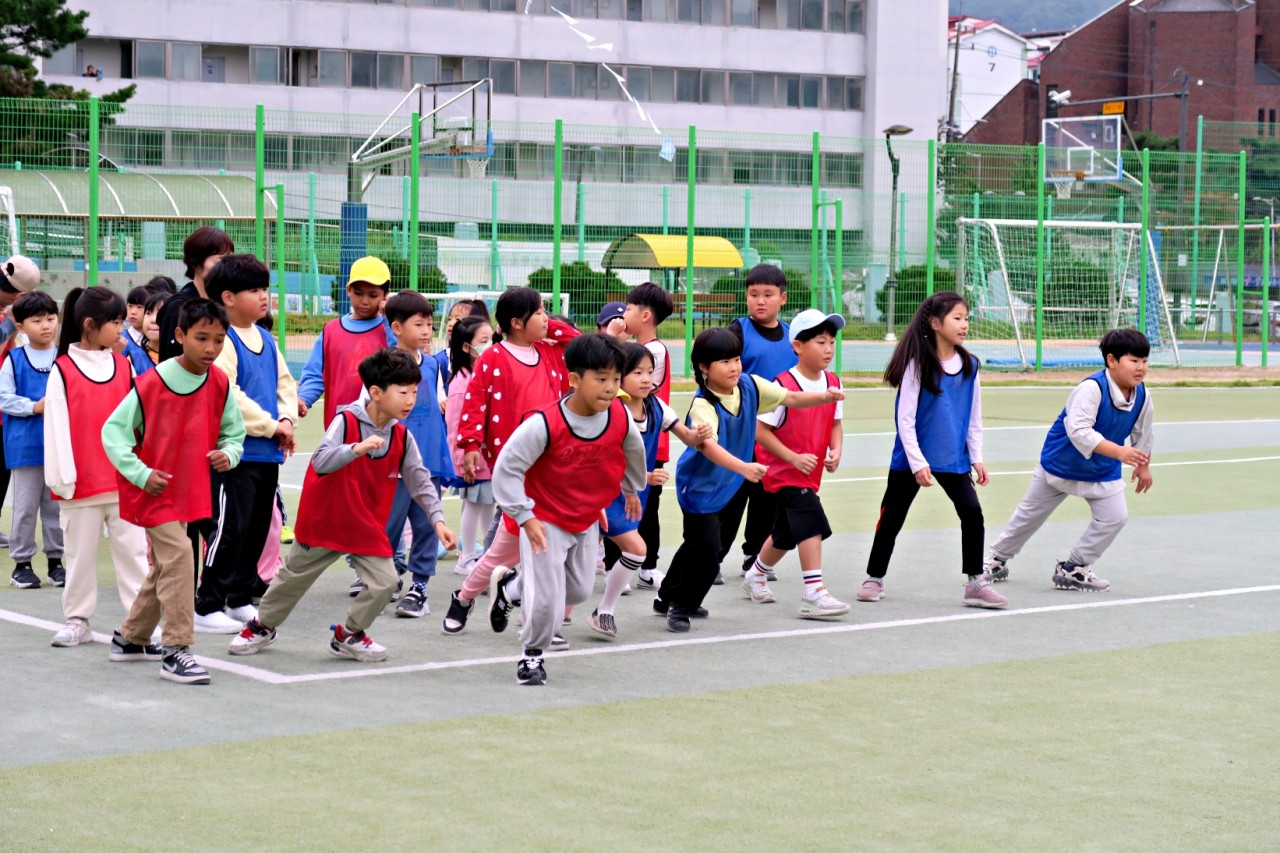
[{"x": 370, "y": 269}]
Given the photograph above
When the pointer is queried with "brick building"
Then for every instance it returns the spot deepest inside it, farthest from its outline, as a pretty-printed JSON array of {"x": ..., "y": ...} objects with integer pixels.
[{"x": 1229, "y": 51}]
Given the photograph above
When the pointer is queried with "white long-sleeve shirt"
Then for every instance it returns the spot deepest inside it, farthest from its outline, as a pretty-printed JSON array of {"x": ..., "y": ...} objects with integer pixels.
[
  {"x": 908, "y": 398},
  {"x": 1082, "y": 415},
  {"x": 59, "y": 460},
  {"x": 10, "y": 402}
]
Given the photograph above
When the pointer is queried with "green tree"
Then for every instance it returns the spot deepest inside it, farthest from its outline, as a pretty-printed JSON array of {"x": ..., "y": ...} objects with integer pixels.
[{"x": 588, "y": 289}]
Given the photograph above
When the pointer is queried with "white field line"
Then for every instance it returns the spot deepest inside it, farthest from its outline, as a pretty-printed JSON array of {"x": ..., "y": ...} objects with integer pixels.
[
  {"x": 269, "y": 677},
  {"x": 1242, "y": 460},
  {"x": 1043, "y": 428}
]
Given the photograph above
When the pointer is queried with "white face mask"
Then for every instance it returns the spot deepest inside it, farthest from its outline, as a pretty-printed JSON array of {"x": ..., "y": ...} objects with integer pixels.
[{"x": 478, "y": 349}]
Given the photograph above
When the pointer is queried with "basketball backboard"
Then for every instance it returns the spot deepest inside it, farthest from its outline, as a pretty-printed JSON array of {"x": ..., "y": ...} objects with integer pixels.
[{"x": 1082, "y": 149}]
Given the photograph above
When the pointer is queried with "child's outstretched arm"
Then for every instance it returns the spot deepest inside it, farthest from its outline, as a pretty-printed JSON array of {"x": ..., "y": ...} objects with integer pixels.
[
  {"x": 753, "y": 471},
  {"x": 311, "y": 385},
  {"x": 805, "y": 399}
]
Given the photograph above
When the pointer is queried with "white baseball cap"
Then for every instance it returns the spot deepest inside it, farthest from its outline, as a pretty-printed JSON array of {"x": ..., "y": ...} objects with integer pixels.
[{"x": 810, "y": 318}]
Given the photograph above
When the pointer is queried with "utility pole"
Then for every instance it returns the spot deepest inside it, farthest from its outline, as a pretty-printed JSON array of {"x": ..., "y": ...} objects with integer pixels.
[{"x": 955, "y": 80}]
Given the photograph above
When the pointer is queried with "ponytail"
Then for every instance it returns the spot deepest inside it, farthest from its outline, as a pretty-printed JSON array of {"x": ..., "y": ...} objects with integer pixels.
[{"x": 98, "y": 305}]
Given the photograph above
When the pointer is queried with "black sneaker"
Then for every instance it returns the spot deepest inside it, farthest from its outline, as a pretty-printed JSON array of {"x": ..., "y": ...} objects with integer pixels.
[
  {"x": 531, "y": 671},
  {"x": 122, "y": 650},
  {"x": 456, "y": 619},
  {"x": 414, "y": 604},
  {"x": 719, "y": 581},
  {"x": 678, "y": 620},
  {"x": 180, "y": 666},
  {"x": 23, "y": 577},
  {"x": 499, "y": 605},
  {"x": 57, "y": 574},
  {"x": 660, "y": 609}
]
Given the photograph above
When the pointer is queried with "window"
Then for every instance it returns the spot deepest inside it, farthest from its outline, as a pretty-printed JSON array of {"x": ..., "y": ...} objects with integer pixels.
[
  {"x": 811, "y": 14},
  {"x": 503, "y": 72},
  {"x": 713, "y": 12},
  {"x": 584, "y": 8},
  {"x": 788, "y": 90},
  {"x": 835, "y": 16},
  {"x": 635, "y": 10},
  {"x": 855, "y": 16},
  {"x": 713, "y": 87},
  {"x": 584, "y": 82},
  {"x": 689, "y": 11},
  {"x": 686, "y": 86},
  {"x": 390, "y": 71},
  {"x": 835, "y": 93},
  {"x": 533, "y": 78},
  {"x": 743, "y": 12},
  {"x": 264, "y": 64},
  {"x": 663, "y": 87},
  {"x": 423, "y": 69},
  {"x": 609, "y": 88},
  {"x": 788, "y": 14},
  {"x": 475, "y": 5},
  {"x": 811, "y": 92},
  {"x": 658, "y": 10},
  {"x": 184, "y": 61},
  {"x": 149, "y": 59},
  {"x": 502, "y": 5},
  {"x": 638, "y": 83},
  {"x": 853, "y": 93},
  {"x": 740, "y": 88},
  {"x": 763, "y": 86},
  {"x": 63, "y": 62},
  {"x": 333, "y": 68},
  {"x": 612, "y": 9},
  {"x": 842, "y": 170},
  {"x": 364, "y": 67},
  {"x": 762, "y": 167},
  {"x": 559, "y": 80},
  {"x": 475, "y": 69}
]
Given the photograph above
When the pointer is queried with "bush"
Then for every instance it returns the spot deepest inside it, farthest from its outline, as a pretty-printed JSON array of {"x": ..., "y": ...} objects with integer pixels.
[
  {"x": 913, "y": 288},
  {"x": 799, "y": 296},
  {"x": 588, "y": 289},
  {"x": 431, "y": 279}
]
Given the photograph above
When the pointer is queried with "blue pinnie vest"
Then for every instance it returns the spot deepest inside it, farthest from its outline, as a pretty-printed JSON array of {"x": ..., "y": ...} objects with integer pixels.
[
  {"x": 426, "y": 424},
  {"x": 137, "y": 357},
  {"x": 616, "y": 512},
  {"x": 24, "y": 437},
  {"x": 764, "y": 357},
  {"x": 258, "y": 375},
  {"x": 1061, "y": 459},
  {"x": 942, "y": 424},
  {"x": 701, "y": 485}
]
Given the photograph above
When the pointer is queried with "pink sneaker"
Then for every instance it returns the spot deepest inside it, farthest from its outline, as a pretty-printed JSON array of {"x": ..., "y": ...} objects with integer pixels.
[
  {"x": 872, "y": 589},
  {"x": 980, "y": 593}
]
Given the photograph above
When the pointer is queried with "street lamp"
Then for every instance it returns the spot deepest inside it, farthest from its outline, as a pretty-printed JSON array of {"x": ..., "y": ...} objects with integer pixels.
[{"x": 891, "y": 282}]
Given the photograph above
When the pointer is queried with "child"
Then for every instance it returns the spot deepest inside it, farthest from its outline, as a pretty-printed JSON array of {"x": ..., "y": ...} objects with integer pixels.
[
  {"x": 151, "y": 325},
  {"x": 939, "y": 437},
  {"x": 708, "y": 477},
  {"x": 161, "y": 462},
  {"x": 135, "y": 304},
  {"x": 346, "y": 499},
  {"x": 162, "y": 284},
  {"x": 23, "y": 378},
  {"x": 610, "y": 319},
  {"x": 624, "y": 543},
  {"x": 244, "y": 497},
  {"x": 345, "y": 342},
  {"x": 461, "y": 310},
  {"x": 201, "y": 252},
  {"x": 648, "y": 306},
  {"x": 766, "y": 352},
  {"x": 86, "y": 384},
  {"x": 1082, "y": 456},
  {"x": 586, "y": 440},
  {"x": 796, "y": 447},
  {"x": 410, "y": 314},
  {"x": 468, "y": 341},
  {"x": 523, "y": 373}
]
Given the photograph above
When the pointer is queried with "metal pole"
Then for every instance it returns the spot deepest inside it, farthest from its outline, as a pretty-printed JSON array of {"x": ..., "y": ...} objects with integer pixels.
[
  {"x": 415, "y": 190},
  {"x": 822, "y": 246},
  {"x": 493, "y": 235},
  {"x": 668, "y": 274},
  {"x": 581, "y": 221},
  {"x": 931, "y": 204},
  {"x": 1265, "y": 323},
  {"x": 1145, "y": 264},
  {"x": 91, "y": 227},
  {"x": 691, "y": 192},
  {"x": 1040, "y": 257},
  {"x": 902, "y": 231},
  {"x": 1195, "y": 220},
  {"x": 406, "y": 193},
  {"x": 746, "y": 218},
  {"x": 839, "y": 277},
  {"x": 891, "y": 280},
  {"x": 1239, "y": 322},
  {"x": 815, "y": 161},
  {"x": 313, "y": 295},
  {"x": 282, "y": 292},
  {"x": 557, "y": 213},
  {"x": 260, "y": 180}
]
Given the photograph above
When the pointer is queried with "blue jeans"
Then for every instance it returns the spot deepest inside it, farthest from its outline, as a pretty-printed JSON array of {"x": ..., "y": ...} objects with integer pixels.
[{"x": 422, "y": 553}]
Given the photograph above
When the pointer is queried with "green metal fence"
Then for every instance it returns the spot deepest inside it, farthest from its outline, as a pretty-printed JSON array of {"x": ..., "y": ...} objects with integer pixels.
[{"x": 106, "y": 193}]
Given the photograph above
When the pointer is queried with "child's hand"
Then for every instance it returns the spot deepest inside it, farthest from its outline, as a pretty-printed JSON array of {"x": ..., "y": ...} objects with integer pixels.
[
  {"x": 754, "y": 471},
  {"x": 617, "y": 328},
  {"x": 658, "y": 476},
  {"x": 604, "y": 520},
  {"x": 443, "y": 403},
  {"x": 805, "y": 463},
  {"x": 367, "y": 446},
  {"x": 302, "y": 409},
  {"x": 284, "y": 436},
  {"x": 981, "y": 471},
  {"x": 833, "y": 460},
  {"x": 219, "y": 461},
  {"x": 702, "y": 433},
  {"x": 835, "y": 395},
  {"x": 120, "y": 344},
  {"x": 1133, "y": 456},
  {"x": 537, "y": 535},
  {"x": 37, "y": 408},
  {"x": 634, "y": 510},
  {"x": 470, "y": 465},
  {"x": 924, "y": 477},
  {"x": 1142, "y": 474},
  {"x": 447, "y": 539},
  {"x": 157, "y": 482}
]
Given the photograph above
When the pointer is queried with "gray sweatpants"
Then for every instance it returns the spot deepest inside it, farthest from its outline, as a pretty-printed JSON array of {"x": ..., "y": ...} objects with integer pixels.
[
  {"x": 1110, "y": 512},
  {"x": 563, "y": 574},
  {"x": 31, "y": 495}
]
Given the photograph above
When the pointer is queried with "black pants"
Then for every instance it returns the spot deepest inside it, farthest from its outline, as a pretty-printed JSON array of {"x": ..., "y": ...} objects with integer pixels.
[
  {"x": 694, "y": 566},
  {"x": 649, "y": 528},
  {"x": 4, "y": 470},
  {"x": 244, "y": 502},
  {"x": 900, "y": 492},
  {"x": 760, "y": 507}
]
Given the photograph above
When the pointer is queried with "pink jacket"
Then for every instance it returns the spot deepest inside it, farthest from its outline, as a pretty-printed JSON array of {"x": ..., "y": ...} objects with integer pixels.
[{"x": 453, "y": 417}]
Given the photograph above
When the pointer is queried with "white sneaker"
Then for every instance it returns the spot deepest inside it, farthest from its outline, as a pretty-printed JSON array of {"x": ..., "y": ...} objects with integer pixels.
[
  {"x": 74, "y": 633},
  {"x": 758, "y": 591},
  {"x": 464, "y": 564},
  {"x": 825, "y": 606},
  {"x": 626, "y": 590},
  {"x": 217, "y": 623},
  {"x": 242, "y": 614}
]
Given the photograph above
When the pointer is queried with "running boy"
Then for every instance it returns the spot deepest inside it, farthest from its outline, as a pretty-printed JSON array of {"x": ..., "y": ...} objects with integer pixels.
[
  {"x": 346, "y": 341},
  {"x": 555, "y": 476},
  {"x": 797, "y": 446},
  {"x": 1082, "y": 456},
  {"x": 245, "y": 496},
  {"x": 346, "y": 498},
  {"x": 766, "y": 352},
  {"x": 180, "y": 420},
  {"x": 23, "y": 378}
]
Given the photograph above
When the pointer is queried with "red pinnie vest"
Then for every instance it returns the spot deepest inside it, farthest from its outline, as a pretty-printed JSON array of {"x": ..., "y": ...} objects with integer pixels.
[
  {"x": 803, "y": 431},
  {"x": 343, "y": 352},
  {"x": 575, "y": 478},
  {"x": 347, "y": 510},
  {"x": 178, "y": 432},
  {"x": 89, "y": 404},
  {"x": 663, "y": 391}
]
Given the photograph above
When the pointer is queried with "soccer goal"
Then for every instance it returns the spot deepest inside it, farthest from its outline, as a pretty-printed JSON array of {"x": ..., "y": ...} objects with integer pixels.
[{"x": 1092, "y": 283}]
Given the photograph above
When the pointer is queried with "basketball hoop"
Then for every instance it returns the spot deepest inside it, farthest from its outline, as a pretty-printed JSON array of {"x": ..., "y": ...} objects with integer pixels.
[
  {"x": 476, "y": 166},
  {"x": 1064, "y": 180}
]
